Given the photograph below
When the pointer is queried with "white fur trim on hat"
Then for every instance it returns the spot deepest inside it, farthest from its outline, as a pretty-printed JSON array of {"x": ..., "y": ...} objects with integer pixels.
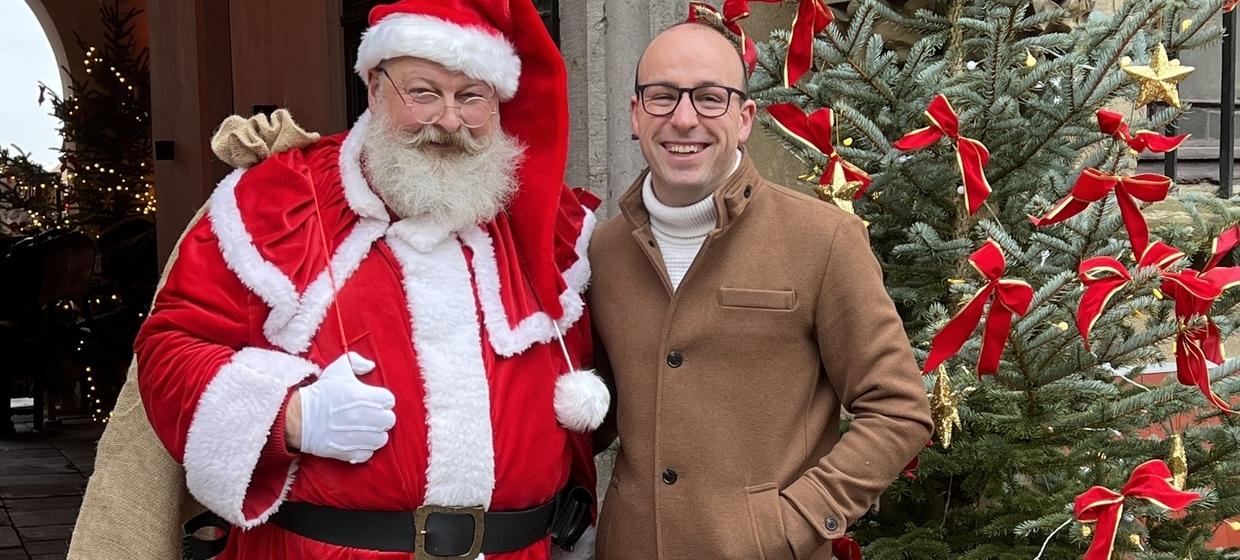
[
  {"x": 480, "y": 54},
  {"x": 581, "y": 400}
]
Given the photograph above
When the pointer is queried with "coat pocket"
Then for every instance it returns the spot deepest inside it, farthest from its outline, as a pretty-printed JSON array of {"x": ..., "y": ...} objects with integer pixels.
[
  {"x": 766, "y": 522},
  {"x": 748, "y": 298}
]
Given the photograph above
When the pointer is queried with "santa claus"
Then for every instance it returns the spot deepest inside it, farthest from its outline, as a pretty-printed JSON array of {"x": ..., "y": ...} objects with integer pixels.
[{"x": 375, "y": 343}]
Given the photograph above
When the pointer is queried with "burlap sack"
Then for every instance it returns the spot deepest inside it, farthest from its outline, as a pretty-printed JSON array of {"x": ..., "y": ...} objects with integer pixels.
[
  {"x": 242, "y": 142},
  {"x": 136, "y": 501}
]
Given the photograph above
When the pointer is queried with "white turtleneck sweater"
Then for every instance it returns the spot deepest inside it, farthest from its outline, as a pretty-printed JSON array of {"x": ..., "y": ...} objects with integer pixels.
[{"x": 680, "y": 230}]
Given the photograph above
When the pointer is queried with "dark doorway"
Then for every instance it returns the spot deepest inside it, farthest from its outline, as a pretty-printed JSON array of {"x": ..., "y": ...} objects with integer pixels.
[{"x": 353, "y": 22}]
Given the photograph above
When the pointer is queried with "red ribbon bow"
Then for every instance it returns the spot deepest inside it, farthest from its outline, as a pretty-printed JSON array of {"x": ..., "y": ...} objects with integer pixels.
[
  {"x": 845, "y": 548},
  {"x": 1151, "y": 481},
  {"x": 1103, "y": 277},
  {"x": 733, "y": 12},
  {"x": 1194, "y": 293},
  {"x": 1093, "y": 185},
  {"x": 814, "y": 132},
  {"x": 1010, "y": 297},
  {"x": 1113, "y": 124},
  {"x": 812, "y": 18},
  {"x": 971, "y": 155}
]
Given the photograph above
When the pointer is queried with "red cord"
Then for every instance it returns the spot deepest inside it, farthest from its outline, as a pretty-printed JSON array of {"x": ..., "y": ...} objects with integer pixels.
[{"x": 331, "y": 276}]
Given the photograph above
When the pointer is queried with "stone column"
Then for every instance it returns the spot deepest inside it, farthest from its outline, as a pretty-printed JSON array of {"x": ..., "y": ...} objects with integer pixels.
[{"x": 602, "y": 41}]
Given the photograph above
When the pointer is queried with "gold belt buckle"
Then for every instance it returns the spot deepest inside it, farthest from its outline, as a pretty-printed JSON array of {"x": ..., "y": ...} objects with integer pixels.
[{"x": 422, "y": 514}]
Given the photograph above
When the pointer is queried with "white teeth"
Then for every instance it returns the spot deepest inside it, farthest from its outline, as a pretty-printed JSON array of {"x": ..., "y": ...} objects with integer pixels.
[{"x": 683, "y": 149}]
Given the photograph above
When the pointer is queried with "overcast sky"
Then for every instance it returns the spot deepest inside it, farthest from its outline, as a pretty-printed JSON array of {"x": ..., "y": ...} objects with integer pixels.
[{"x": 26, "y": 59}]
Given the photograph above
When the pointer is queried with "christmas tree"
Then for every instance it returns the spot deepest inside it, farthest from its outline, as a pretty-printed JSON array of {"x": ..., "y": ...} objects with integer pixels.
[
  {"x": 28, "y": 194},
  {"x": 992, "y": 151},
  {"x": 105, "y": 188},
  {"x": 106, "y": 127},
  {"x": 106, "y": 170}
]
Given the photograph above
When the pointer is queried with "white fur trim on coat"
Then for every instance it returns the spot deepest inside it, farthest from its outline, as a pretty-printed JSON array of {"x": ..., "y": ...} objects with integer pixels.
[
  {"x": 242, "y": 257},
  {"x": 294, "y": 334},
  {"x": 581, "y": 400},
  {"x": 537, "y": 327},
  {"x": 231, "y": 425},
  {"x": 477, "y": 52},
  {"x": 295, "y": 317},
  {"x": 448, "y": 343},
  {"x": 356, "y": 190}
]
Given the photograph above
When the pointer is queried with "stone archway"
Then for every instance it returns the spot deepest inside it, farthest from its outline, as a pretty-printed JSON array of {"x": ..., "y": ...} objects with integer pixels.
[{"x": 56, "y": 39}]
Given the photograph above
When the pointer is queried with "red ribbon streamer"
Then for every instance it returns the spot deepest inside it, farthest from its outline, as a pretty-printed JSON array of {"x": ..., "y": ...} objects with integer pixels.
[
  {"x": 813, "y": 16},
  {"x": 1011, "y": 297},
  {"x": 1113, "y": 124},
  {"x": 1151, "y": 481},
  {"x": 971, "y": 155},
  {"x": 814, "y": 132},
  {"x": 1194, "y": 293},
  {"x": 1093, "y": 185}
]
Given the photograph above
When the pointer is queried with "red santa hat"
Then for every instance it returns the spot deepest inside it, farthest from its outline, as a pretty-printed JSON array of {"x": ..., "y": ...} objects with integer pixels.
[
  {"x": 454, "y": 33},
  {"x": 504, "y": 43}
]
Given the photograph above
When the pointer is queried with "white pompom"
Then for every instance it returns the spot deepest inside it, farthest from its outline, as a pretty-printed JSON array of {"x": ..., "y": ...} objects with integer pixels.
[
  {"x": 960, "y": 189},
  {"x": 581, "y": 400},
  {"x": 971, "y": 65}
]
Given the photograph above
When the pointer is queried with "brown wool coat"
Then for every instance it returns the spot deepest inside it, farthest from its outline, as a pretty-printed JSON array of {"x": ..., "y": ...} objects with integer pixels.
[{"x": 729, "y": 392}]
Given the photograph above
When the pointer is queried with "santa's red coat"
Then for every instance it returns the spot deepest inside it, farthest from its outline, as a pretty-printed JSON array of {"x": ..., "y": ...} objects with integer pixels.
[{"x": 248, "y": 314}]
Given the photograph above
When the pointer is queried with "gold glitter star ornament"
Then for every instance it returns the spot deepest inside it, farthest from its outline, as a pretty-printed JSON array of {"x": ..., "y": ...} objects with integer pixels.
[
  {"x": 943, "y": 406},
  {"x": 1158, "y": 81}
]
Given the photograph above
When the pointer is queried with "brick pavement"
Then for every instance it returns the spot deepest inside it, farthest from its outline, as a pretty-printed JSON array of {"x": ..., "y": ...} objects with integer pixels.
[{"x": 42, "y": 477}]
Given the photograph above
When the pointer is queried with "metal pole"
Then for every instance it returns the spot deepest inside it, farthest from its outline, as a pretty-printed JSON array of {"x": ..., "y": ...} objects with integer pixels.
[
  {"x": 1170, "y": 159},
  {"x": 1227, "y": 98}
]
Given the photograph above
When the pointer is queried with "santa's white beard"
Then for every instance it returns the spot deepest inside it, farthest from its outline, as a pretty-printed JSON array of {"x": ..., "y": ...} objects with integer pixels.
[{"x": 457, "y": 189}]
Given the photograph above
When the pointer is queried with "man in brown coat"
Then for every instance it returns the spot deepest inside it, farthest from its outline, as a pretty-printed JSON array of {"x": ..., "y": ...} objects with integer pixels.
[{"x": 739, "y": 318}]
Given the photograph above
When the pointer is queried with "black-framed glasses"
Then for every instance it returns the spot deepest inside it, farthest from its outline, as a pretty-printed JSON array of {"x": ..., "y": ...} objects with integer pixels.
[
  {"x": 428, "y": 107},
  {"x": 661, "y": 100}
]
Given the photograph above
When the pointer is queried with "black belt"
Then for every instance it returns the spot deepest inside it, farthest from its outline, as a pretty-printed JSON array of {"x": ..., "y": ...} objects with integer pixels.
[{"x": 429, "y": 532}]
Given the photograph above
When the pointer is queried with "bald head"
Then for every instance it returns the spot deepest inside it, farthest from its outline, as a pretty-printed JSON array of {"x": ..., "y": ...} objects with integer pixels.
[
  {"x": 689, "y": 144},
  {"x": 700, "y": 44}
]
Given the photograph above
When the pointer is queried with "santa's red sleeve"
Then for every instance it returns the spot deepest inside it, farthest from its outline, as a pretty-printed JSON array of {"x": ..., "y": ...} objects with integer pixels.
[{"x": 214, "y": 396}]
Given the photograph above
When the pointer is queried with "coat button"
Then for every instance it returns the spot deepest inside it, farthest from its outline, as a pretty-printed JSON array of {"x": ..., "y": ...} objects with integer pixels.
[
  {"x": 748, "y": 190},
  {"x": 832, "y": 524},
  {"x": 670, "y": 476},
  {"x": 675, "y": 359}
]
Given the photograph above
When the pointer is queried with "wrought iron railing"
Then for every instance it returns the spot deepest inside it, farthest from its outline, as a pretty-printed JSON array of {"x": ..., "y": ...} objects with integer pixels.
[{"x": 1227, "y": 113}]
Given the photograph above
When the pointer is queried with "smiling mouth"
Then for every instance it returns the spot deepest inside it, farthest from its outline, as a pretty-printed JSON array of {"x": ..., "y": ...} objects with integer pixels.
[{"x": 684, "y": 149}]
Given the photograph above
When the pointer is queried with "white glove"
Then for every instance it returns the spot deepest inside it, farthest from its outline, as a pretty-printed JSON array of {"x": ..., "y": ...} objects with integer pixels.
[{"x": 343, "y": 418}]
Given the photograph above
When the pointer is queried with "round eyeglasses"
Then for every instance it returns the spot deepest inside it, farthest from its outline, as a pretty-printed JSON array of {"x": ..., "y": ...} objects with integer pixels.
[
  {"x": 428, "y": 107},
  {"x": 661, "y": 100}
]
